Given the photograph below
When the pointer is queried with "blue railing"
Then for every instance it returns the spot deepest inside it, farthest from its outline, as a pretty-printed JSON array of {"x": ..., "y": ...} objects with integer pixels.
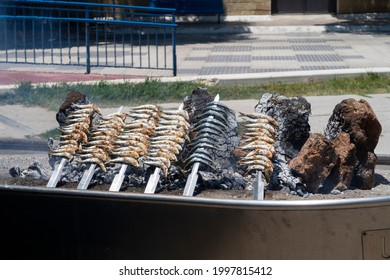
[{"x": 87, "y": 34}]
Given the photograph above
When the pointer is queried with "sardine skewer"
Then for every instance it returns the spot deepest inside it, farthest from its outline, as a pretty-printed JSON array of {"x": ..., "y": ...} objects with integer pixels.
[
  {"x": 193, "y": 177},
  {"x": 155, "y": 177},
  {"x": 88, "y": 174},
  {"x": 258, "y": 143},
  {"x": 150, "y": 112},
  {"x": 81, "y": 127}
]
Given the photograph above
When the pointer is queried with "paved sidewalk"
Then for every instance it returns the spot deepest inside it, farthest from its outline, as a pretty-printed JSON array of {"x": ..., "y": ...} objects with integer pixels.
[{"x": 250, "y": 49}]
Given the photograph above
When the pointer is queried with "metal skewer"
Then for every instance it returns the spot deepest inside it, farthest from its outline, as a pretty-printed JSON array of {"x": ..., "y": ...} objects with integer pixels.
[
  {"x": 155, "y": 177},
  {"x": 191, "y": 181},
  {"x": 258, "y": 187},
  {"x": 193, "y": 177},
  {"x": 118, "y": 179},
  {"x": 55, "y": 177},
  {"x": 87, "y": 177},
  {"x": 153, "y": 181},
  {"x": 88, "y": 174}
]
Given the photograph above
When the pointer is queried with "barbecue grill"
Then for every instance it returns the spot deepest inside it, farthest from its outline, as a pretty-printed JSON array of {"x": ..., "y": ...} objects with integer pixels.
[{"x": 45, "y": 223}]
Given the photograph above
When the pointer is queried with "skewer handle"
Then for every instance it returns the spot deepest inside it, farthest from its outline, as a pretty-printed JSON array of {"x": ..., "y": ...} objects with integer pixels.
[
  {"x": 153, "y": 181},
  {"x": 118, "y": 179},
  {"x": 87, "y": 177},
  {"x": 258, "y": 187},
  {"x": 191, "y": 181},
  {"x": 55, "y": 177}
]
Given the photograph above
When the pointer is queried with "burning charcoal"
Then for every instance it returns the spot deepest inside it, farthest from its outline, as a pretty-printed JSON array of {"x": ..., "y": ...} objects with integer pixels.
[
  {"x": 358, "y": 120},
  {"x": 135, "y": 181},
  {"x": 34, "y": 171},
  {"x": 282, "y": 178},
  {"x": 195, "y": 103},
  {"x": 176, "y": 184},
  {"x": 15, "y": 172},
  {"x": 135, "y": 177},
  {"x": 176, "y": 178},
  {"x": 315, "y": 162},
  {"x": 100, "y": 178},
  {"x": 292, "y": 115},
  {"x": 72, "y": 172},
  {"x": 326, "y": 166},
  {"x": 365, "y": 171},
  {"x": 224, "y": 179},
  {"x": 342, "y": 174},
  {"x": 39, "y": 171},
  {"x": 52, "y": 144},
  {"x": 232, "y": 180},
  {"x": 209, "y": 179}
]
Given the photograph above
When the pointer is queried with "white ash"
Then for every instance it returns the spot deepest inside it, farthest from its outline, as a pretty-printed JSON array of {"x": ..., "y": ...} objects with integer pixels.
[
  {"x": 34, "y": 171},
  {"x": 292, "y": 115}
]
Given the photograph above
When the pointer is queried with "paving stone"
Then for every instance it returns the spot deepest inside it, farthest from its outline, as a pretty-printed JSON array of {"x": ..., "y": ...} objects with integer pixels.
[
  {"x": 319, "y": 57},
  {"x": 229, "y": 58}
]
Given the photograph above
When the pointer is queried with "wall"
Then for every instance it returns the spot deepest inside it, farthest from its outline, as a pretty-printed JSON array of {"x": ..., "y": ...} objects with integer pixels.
[
  {"x": 263, "y": 7},
  {"x": 232, "y": 7},
  {"x": 363, "y": 6},
  {"x": 247, "y": 7}
]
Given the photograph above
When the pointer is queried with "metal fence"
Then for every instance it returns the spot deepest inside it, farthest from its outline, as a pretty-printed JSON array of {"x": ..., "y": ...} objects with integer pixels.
[{"x": 87, "y": 34}]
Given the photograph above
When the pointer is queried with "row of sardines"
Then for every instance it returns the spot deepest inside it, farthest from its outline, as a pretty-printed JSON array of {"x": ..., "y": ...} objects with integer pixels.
[{"x": 149, "y": 136}]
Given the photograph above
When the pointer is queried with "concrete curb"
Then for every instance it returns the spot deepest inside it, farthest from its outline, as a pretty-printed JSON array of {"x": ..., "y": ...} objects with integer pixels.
[
  {"x": 251, "y": 78},
  {"x": 291, "y": 76},
  {"x": 383, "y": 159},
  {"x": 23, "y": 144},
  {"x": 337, "y": 28}
]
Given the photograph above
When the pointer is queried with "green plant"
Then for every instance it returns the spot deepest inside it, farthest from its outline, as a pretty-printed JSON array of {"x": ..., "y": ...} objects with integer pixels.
[{"x": 107, "y": 94}]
